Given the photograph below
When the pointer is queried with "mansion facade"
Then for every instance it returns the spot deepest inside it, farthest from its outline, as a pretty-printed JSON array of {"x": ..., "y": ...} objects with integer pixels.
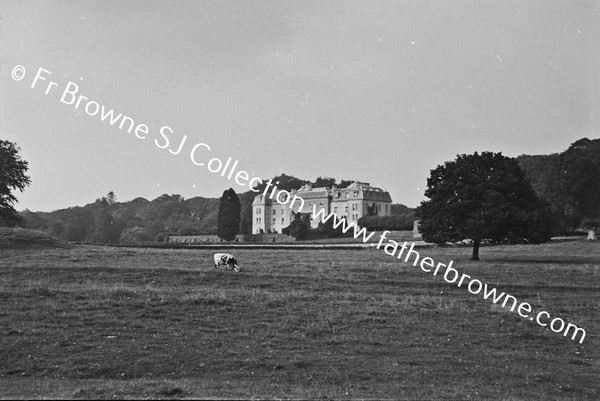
[{"x": 353, "y": 202}]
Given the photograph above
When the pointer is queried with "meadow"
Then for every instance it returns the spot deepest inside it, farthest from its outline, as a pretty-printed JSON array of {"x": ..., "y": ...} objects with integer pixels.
[{"x": 102, "y": 322}]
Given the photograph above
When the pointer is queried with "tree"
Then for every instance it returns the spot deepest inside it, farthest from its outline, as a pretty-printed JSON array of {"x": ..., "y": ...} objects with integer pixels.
[
  {"x": 78, "y": 223},
  {"x": 111, "y": 198},
  {"x": 345, "y": 184},
  {"x": 580, "y": 167},
  {"x": 135, "y": 236},
  {"x": 12, "y": 177},
  {"x": 228, "y": 218},
  {"x": 399, "y": 222},
  {"x": 283, "y": 181},
  {"x": 298, "y": 228},
  {"x": 105, "y": 230},
  {"x": 399, "y": 208},
  {"x": 569, "y": 182},
  {"x": 324, "y": 182},
  {"x": 482, "y": 197}
]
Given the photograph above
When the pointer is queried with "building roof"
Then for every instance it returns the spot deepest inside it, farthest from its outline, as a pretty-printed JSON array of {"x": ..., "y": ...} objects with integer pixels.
[
  {"x": 322, "y": 193},
  {"x": 356, "y": 190}
]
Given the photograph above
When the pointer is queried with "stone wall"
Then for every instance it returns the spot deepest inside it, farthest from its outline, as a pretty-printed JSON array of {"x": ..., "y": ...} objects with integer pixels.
[{"x": 240, "y": 238}]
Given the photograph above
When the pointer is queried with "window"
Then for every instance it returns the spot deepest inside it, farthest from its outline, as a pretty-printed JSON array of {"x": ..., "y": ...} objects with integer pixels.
[
  {"x": 321, "y": 203},
  {"x": 386, "y": 208},
  {"x": 281, "y": 211},
  {"x": 273, "y": 220},
  {"x": 335, "y": 209},
  {"x": 282, "y": 220},
  {"x": 346, "y": 210},
  {"x": 274, "y": 211}
]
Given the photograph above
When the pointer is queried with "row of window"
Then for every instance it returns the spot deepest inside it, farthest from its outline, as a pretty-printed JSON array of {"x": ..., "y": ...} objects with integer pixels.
[
  {"x": 259, "y": 211},
  {"x": 259, "y": 220},
  {"x": 355, "y": 206}
]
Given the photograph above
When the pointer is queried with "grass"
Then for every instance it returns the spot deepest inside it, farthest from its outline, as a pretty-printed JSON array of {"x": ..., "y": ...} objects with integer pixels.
[
  {"x": 398, "y": 236},
  {"x": 101, "y": 322}
]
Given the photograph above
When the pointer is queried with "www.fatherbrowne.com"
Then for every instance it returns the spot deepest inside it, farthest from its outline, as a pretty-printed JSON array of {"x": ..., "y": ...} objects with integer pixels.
[{"x": 451, "y": 275}]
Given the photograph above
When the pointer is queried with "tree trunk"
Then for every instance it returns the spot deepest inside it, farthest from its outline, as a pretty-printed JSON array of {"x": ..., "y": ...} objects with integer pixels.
[
  {"x": 591, "y": 235},
  {"x": 475, "y": 250}
]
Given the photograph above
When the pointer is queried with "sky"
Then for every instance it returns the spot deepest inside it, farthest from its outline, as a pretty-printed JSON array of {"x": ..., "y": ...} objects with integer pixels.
[{"x": 376, "y": 91}]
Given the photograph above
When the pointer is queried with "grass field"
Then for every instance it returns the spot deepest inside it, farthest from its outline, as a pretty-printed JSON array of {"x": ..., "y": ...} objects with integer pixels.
[{"x": 105, "y": 322}]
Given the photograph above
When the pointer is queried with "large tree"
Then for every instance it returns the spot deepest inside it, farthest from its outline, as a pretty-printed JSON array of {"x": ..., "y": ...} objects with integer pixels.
[
  {"x": 228, "y": 218},
  {"x": 13, "y": 176},
  {"x": 482, "y": 197},
  {"x": 106, "y": 230}
]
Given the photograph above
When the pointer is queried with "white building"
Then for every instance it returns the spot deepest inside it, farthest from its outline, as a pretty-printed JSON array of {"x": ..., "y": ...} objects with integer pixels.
[{"x": 357, "y": 200}]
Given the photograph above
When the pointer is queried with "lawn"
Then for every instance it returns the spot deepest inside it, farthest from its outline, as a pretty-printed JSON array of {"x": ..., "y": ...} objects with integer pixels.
[{"x": 102, "y": 322}]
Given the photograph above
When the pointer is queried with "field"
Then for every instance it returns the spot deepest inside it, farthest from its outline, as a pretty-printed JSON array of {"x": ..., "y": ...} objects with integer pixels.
[{"x": 87, "y": 322}]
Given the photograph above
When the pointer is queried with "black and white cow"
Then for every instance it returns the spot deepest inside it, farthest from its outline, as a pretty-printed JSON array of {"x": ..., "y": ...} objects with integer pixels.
[{"x": 227, "y": 260}]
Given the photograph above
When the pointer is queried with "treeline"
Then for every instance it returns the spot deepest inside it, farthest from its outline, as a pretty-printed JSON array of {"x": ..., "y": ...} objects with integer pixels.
[
  {"x": 399, "y": 222},
  {"x": 570, "y": 183},
  {"x": 107, "y": 221}
]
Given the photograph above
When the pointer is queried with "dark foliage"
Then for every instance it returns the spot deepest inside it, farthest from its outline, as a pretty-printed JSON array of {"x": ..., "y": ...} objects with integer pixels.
[
  {"x": 13, "y": 177},
  {"x": 228, "y": 218},
  {"x": 569, "y": 182},
  {"x": 400, "y": 222},
  {"x": 482, "y": 197},
  {"x": 283, "y": 181},
  {"x": 105, "y": 230},
  {"x": 330, "y": 182},
  {"x": 399, "y": 208},
  {"x": 141, "y": 221},
  {"x": 327, "y": 230},
  {"x": 298, "y": 228}
]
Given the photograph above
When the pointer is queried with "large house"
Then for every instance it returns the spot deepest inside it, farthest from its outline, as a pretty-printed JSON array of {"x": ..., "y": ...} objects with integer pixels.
[{"x": 357, "y": 200}]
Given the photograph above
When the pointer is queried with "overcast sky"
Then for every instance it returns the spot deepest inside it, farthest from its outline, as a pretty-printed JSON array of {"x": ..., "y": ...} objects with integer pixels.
[{"x": 378, "y": 91}]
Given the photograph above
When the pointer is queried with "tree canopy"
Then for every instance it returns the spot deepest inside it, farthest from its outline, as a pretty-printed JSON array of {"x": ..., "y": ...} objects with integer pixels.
[
  {"x": 228, "y": 217},
  {"x": 482, "y": 197},
  {"x": 569, "y": 182},
  {"x": 13, "y": 177}
]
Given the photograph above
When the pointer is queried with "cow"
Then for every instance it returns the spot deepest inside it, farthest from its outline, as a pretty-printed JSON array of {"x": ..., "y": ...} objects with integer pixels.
[{"x": 227, "y": 260}]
